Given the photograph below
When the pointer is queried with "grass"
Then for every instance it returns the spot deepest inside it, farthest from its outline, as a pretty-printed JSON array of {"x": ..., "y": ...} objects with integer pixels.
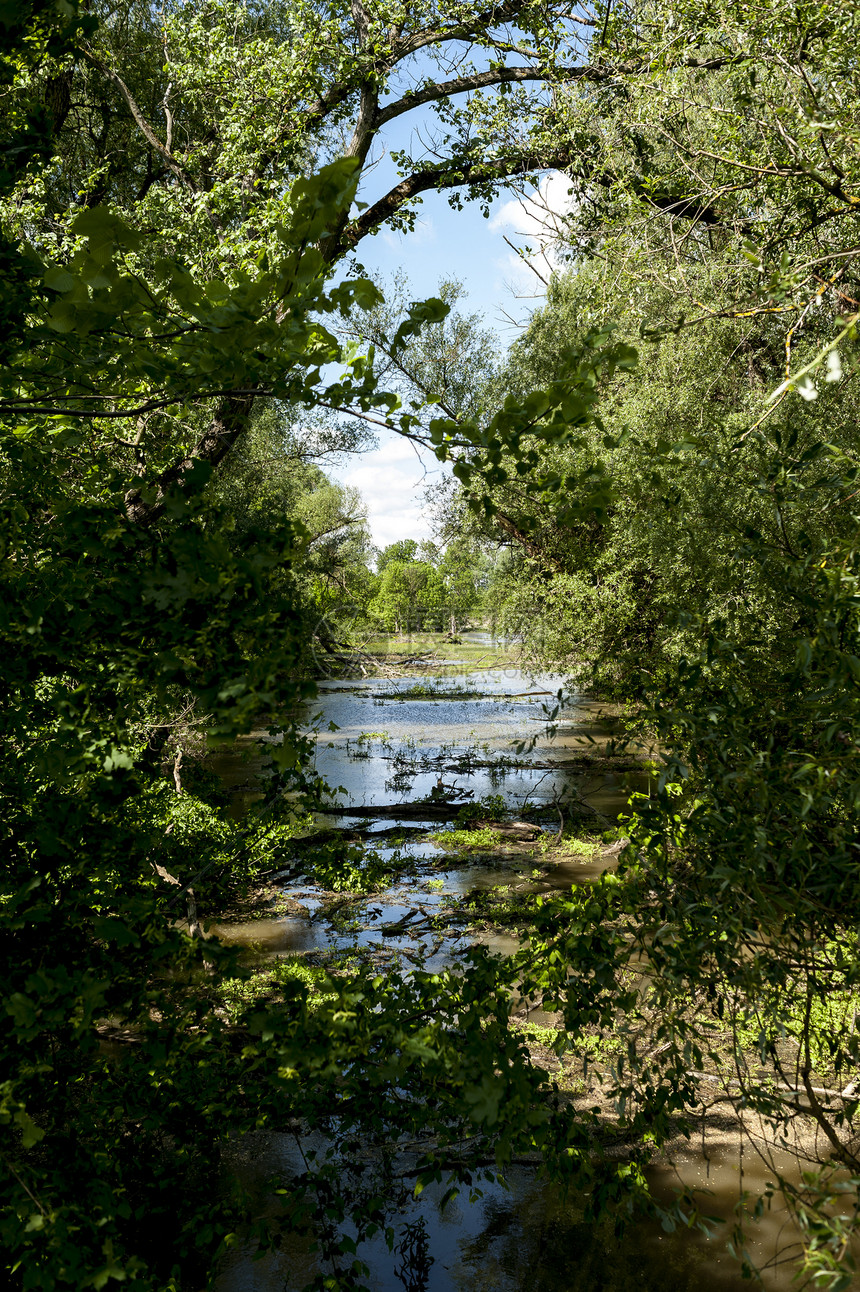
[
  {"x": 436, "y": 689},
  {"x": 567, "y": 847},
  {"x": 466, "y": 840},
  {"x": 492, "y": 807},
  {"x": 420, "y": 643},
  {"x": 268, "y": 985},
  {"x": 548, "y": 1037},
  {"x": 345, "y": 866},
  {"x": 595, "y": 1048}
]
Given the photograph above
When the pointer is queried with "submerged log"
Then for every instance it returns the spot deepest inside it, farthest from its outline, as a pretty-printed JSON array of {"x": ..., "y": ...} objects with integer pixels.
[{"x": 436, "y": 810}]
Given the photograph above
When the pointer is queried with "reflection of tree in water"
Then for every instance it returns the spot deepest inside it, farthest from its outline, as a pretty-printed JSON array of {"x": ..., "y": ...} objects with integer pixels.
[
  {"x": 414, "y": 1252},
  {"x": 534, "y": 1243}
]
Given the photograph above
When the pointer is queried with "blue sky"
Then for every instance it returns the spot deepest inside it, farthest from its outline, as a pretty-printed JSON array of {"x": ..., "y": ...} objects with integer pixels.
[{"x": 446, "y": 243}]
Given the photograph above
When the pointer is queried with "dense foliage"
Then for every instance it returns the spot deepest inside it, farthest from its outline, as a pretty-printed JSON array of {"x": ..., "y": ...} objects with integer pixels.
[
  {"x": 716, "y": 590},
  {"x": 179, "y": 356},
  {"x": 156, "y": 595}
]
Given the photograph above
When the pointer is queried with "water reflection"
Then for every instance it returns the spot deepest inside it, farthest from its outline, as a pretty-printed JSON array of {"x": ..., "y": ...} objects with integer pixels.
[
  {"x": 472, "y": 742},
  {"x": 394, "y": 747},
  {"x": 531, "y": 1237},
  {"x": 395, "y": 741},
  {"x": 502, "y": 709}
]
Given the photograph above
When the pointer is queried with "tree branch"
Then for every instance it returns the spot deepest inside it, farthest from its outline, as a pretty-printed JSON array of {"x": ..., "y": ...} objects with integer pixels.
[
  {"x": 489, "y": 18},
  {"x": 339, "y": 93},
  {"x": 456, "y": 174},
  {"x": 140, "y": 120},
  {"x": 452, "y": 175},
  {"x": 478, "y": 81},
  {"x": 529, "y": 546},
  {"x": 229, "y": 420}
]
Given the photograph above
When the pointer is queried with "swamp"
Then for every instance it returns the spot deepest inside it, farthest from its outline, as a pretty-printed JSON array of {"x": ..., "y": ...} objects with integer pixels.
[
  {"x": 429, "y": 645},
  {"x": 451, "y": 821}
]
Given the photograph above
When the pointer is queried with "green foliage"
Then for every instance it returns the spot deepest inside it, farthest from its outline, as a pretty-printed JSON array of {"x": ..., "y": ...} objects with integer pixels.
[
  {"x": 467, "y": 840},
  {"x": 131, "y": 593},
  {"x": 491, "y": 807},
  {"x": 36, "y": 34},
  {"x": 629, "y": 592},
  {"x": 420, "y": 590},
  {"x": 161, "y": 296},
  {"x": 411, "y": 595},
  {"x": 567, "y": 846},
  {"x": 343, "y": 866},
  {"x": 714, "y": 589},
  {"x": 735, "y": 904},
  {"x": 404, "y": 551},
  {"x": 179, "y": 337},
  {"x": 265, "y": 988}
]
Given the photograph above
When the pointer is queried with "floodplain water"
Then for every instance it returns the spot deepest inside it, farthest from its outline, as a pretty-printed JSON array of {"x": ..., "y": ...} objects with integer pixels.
[
  {"x": 384, "y": 743},
  {"x": 395, "y": 742}
]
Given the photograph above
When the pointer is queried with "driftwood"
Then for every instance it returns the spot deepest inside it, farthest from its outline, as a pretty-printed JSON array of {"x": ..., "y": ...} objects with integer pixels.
[{"x": 433, "y": 811}]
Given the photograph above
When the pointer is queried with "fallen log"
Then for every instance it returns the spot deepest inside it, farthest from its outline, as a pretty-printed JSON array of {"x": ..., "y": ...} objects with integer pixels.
[
  {"x": 432, "y": 811},
  {"x": 522, "y": 830}
]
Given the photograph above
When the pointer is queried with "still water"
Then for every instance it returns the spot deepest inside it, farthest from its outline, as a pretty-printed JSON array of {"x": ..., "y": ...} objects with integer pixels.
[
  {"x": 461, "y": 735},
  {"x": 530, "y": 1237},
  {"x": 393, "y": 742}
]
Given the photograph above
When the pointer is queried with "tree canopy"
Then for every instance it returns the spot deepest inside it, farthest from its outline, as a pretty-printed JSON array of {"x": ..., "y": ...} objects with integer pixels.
[{"x": 670, "y": 455}]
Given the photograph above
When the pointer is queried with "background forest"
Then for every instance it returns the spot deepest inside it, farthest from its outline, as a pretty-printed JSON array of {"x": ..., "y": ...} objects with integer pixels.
[{"x": 656, "y": 488}]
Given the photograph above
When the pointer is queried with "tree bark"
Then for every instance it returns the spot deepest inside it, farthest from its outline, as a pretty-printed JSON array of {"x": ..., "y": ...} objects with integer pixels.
[{"x": 231, "y": 418}]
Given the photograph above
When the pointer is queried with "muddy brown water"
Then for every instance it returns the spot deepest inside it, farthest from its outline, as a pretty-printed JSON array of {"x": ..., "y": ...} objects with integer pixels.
[{"x": 392, "y": 744}]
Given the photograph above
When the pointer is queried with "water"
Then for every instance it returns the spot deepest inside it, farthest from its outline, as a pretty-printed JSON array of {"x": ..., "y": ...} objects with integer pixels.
[
  {"x": 473, "y": 742},
  {"x": 530, "y": 1237},
  {"x": 437, "y": 736},
  {"x": 460, "y": 736}
]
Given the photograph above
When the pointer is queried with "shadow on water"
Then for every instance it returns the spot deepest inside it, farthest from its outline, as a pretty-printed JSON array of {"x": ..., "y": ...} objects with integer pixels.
[
  {"x": 395, "y": 742},
  {"x": 528, "y": 1237}
]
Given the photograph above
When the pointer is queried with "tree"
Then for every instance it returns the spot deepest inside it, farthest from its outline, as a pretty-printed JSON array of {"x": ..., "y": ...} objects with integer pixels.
[
  {"x": 119, "y": 607},
  {"x": 403, "y": 550},
  {"x": 156, "y": 324},
  {"x": 733, "y": 175},
  {"x": 459, "y": 569},
  {"x": 411, "y": 595},
  {"x": 714, "y": 587},
  {"x": 213, "y": 158},
  {"x": 451, "y": 365},
  {"x": 759, "y": 233},
  {"x": 139, "y": 588}
]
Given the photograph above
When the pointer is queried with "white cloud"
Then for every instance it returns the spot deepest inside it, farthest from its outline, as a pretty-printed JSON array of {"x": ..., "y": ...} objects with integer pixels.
[
  {"x": 392, "y": 480},
  {"x": 534, "y": 223},
  {"x": 541, "y": 214}
]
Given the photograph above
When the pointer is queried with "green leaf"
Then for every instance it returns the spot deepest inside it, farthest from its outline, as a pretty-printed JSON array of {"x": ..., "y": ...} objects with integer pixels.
[{"x": 58, "y": 279}]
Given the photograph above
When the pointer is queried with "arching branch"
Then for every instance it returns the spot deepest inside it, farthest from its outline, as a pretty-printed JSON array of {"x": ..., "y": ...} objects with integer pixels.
[
  {"x": 479, "y": 81},
  {"x": 141, "y": 122}
]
